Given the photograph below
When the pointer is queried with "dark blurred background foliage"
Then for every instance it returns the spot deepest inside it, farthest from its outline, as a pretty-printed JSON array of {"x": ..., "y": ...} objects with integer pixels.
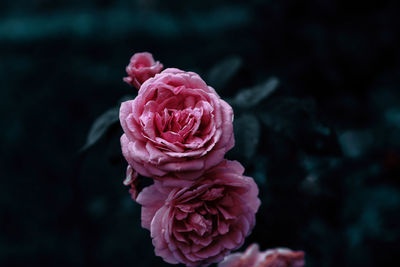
[{"x": 315, "y": 88}]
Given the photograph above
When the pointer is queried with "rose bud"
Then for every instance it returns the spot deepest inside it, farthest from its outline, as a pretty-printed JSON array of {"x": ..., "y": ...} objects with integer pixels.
[{"x": 141, "y": 67}]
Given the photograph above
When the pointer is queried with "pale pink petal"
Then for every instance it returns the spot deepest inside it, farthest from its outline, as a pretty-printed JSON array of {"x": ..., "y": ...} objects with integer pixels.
[{"x": 151, "y": 200}]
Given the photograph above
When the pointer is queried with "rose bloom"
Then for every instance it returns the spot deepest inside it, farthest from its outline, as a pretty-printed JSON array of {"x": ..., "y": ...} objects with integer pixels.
[
  {"x": 141, "y": 67},
  {"x": 177, "y": 124},
  {"x": 199, "y": 224},
  {"x": 252, "y": 257}
]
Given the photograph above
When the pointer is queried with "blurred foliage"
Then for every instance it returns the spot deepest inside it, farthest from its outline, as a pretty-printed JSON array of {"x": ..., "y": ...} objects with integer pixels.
[
  {"x": 100, "y": 126},
  {"x": 323, "y": 144}
]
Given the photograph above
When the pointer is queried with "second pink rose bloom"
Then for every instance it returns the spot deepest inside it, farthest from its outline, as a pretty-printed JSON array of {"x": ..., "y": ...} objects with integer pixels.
[
  {"x": 200, "y": 223},
  {"x": 176, "y": 126},
  {"x": 252, "y": 257}
]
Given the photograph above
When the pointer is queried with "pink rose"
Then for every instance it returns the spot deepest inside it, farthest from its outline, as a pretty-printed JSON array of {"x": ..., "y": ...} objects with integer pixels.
[
  {"x": 200, "y": 224},
  {"x": 176, "y": 125},
  {"x": 252, "y": 257},
  {"x": 141, "y": 67}
]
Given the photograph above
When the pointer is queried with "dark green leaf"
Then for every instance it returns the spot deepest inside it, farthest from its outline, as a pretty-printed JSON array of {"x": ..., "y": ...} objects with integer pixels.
[
  {"x": 100, "y": 126},
  {"x": 260, "y": 169},
  {"x": 252, "y": 96},
  {"x": 247, "y": 135},
  {"x": 222, "y": 72},
  {"x": 297, "y": 121},
  {"x": 356, "y": 143}
]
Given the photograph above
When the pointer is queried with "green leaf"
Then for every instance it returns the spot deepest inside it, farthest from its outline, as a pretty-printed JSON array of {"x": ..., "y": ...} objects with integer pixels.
[
  {"x": 222, "y": 72},
  {"x": 100, "y": 126},
  {"x": 250, "y": 97},
  {"x": 247, "y": 135},
  {"x": 298, "y": 121}
]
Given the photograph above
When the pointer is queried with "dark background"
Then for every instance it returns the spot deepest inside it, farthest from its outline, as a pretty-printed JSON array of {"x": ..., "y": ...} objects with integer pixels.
[{"x": 324, "y": 148}]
